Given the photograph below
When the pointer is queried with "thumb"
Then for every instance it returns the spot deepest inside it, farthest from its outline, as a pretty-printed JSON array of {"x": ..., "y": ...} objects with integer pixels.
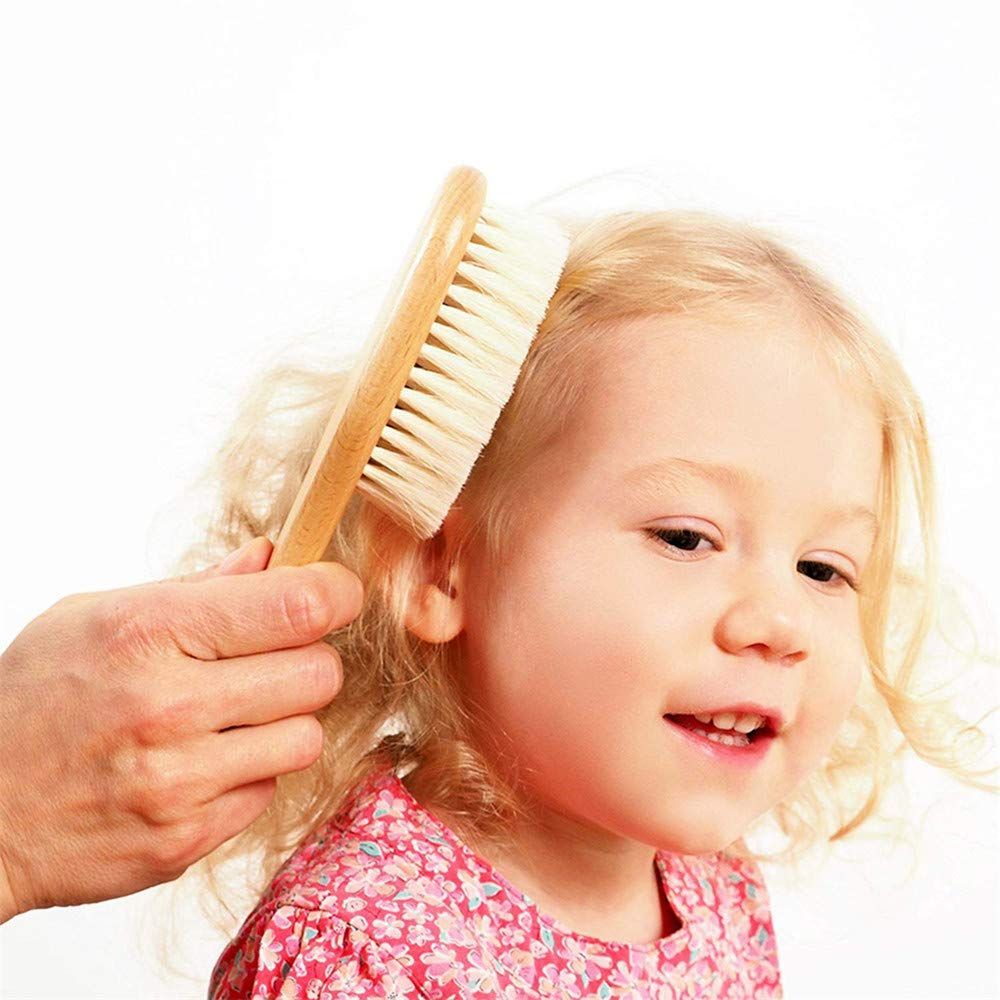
[{"x": 252, "y": 557}]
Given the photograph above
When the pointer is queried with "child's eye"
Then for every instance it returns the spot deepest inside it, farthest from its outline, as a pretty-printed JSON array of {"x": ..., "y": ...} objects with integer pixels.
[
  {"x": 827, "y": 569},
  {"x": 687, "y": 539}
]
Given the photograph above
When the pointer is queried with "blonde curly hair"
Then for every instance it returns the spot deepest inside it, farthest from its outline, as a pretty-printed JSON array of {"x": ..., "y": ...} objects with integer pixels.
[{"x": 399, "y": 706}]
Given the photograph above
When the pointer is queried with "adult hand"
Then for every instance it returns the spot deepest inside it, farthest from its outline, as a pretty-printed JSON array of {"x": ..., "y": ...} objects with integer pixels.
[{"x": 140, "y": 728}]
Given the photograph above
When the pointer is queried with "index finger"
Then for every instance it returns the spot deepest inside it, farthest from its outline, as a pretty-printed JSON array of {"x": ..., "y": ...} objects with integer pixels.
[{"x": 278, "y": 608}]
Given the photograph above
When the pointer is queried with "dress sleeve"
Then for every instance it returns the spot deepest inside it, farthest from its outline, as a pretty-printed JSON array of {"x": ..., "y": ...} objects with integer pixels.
[{"x": 286, "y": 951}]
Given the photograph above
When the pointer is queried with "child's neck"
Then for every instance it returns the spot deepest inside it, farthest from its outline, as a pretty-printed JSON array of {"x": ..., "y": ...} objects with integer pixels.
[
  {"x": 616, "y": 907},
  {"x": 593, "y": 882}
]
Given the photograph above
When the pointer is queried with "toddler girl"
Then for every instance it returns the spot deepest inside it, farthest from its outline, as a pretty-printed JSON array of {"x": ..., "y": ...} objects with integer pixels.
[{"x": 658, "y": 612}]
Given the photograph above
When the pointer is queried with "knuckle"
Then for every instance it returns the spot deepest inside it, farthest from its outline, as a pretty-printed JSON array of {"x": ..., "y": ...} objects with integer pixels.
[
  {"x": 172, "y": 717},
  {"x": 158, "y": 789},
  {"x": 127, "y": 710},
  {"x": 304, "y": 607},
  {"x": 124, "y": 624},
  {"x": 157, "y": 720}
]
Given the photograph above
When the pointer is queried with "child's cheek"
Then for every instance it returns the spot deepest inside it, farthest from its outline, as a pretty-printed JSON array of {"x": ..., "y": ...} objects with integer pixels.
[{"x": 827, "y": 702}]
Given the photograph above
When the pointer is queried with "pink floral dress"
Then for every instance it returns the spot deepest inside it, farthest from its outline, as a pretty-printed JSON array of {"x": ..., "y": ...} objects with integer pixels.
[{"x": 386, "y": 901}]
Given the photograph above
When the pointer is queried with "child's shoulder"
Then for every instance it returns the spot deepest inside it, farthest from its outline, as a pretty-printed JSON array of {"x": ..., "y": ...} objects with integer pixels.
[
  {"x": 356, "y": 856},
  {"x": 314, "y": 925}
]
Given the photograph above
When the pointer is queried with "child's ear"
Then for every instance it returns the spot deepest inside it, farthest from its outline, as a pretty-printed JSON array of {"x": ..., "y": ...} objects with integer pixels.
[{"x": 435, "y": 611}]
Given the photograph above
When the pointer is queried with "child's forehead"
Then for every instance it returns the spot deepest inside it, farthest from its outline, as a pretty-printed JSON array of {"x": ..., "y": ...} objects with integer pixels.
[
  {"x": 758, "y": 332},
  {"x": 718, "y": 360},
  {"x": 758, "y": 388}
]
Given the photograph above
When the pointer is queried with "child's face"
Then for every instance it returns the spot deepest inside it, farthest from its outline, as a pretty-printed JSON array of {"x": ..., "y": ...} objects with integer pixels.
[{"x": 599, "y": 628}]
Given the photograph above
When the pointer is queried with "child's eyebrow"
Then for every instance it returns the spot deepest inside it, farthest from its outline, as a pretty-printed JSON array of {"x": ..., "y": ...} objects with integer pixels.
[{"x": 674, "y": 471}]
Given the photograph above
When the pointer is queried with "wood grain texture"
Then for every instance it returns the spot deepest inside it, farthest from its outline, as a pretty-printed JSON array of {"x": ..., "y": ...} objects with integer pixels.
[{"x": 386, "y": 360}]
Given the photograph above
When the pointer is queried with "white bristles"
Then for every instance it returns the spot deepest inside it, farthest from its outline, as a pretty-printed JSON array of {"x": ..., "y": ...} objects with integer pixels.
[{"x": 467, "y": 369}]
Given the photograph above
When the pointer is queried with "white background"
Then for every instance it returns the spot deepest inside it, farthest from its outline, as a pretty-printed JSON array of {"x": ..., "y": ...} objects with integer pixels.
[{"x": 188, "y": 187}]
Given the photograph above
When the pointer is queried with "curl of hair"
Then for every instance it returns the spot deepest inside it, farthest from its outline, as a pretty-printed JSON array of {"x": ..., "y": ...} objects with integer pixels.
[{"x": 399, "y": 705}]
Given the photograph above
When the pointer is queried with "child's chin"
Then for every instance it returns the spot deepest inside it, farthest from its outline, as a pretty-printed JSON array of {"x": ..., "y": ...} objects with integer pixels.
[{"x": 704, "y": 840}]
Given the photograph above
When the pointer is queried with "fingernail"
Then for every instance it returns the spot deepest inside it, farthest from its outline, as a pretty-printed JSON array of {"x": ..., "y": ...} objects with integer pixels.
[{"x": 233, "y": 557}]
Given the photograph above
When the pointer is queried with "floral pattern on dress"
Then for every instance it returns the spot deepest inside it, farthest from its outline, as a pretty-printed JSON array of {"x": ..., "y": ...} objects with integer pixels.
[{"x": 384, "y": 900}]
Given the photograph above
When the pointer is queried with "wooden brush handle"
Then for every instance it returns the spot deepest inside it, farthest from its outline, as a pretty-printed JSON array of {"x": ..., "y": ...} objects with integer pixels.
[{"x": 386, "y": 360}]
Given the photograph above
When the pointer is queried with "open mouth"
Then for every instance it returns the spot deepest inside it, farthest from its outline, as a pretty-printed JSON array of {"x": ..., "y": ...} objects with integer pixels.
[
  {"x": 726, "y": 737},
  {"x": 723, "y": 744}
]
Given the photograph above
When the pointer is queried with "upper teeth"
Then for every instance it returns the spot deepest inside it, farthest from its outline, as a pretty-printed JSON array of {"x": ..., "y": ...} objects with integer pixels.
[{"x": 730, "y": 720}]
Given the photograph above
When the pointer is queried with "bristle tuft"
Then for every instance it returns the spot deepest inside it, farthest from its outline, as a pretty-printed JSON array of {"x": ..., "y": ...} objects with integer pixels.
[{"x": 467, "y": 369}]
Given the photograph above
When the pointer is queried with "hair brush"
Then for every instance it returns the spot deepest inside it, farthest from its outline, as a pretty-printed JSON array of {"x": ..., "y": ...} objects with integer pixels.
[{"x": 438, "y": 367}]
